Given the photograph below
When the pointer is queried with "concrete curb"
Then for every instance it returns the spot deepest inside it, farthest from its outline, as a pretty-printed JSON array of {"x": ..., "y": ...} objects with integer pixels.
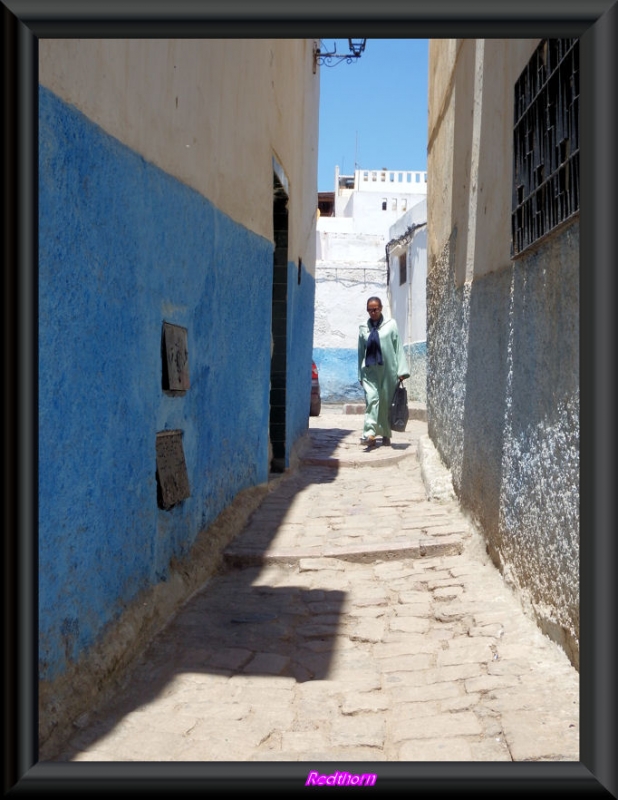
[
  {"x": 421, "y": 547},
  {"x": 436, "y": 476},
  {"x": 416, "y": 410},
  {"x": 381, "y": 461}
]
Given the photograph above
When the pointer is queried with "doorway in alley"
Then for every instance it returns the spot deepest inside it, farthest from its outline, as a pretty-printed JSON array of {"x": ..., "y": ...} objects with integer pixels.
[{"x": 278, "y": 361}]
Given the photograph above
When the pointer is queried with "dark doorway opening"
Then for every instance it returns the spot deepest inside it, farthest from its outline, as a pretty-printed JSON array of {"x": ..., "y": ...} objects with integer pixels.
[{"x": 278, "y": 363}]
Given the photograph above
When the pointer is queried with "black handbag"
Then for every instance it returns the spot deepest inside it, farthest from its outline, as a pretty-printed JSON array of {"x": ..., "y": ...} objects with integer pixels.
[{"x": 398, "y": 412}]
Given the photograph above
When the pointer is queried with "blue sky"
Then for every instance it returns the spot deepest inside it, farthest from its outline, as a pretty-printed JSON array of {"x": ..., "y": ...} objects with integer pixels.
[{"x": 373, "y": 112}]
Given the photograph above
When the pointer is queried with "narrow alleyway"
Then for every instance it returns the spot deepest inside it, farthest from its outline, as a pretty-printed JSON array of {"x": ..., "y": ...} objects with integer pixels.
[{"x": 356, "y": 620}]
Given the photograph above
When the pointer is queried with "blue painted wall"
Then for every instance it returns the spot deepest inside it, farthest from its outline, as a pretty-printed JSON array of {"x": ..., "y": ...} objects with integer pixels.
[
  {"x": 123, "y": 248},
  {"x": 338, "y": 371},
  {"x": 301, "y": 304}
]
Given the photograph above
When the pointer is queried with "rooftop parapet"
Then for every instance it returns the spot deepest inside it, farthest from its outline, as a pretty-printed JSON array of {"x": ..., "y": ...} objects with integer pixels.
[{"x": 384, "y": 180}]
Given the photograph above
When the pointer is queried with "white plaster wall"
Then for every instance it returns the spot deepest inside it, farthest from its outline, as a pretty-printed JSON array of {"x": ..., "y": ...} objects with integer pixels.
[
  {"x": 398, "y": 294},
  {"x": 343, "y": 203},
  {"x": 369, "y": 216},
  {"x": 408, "y": 300},
  {"x": 366, "y": 212},
  {"x": 136, "y": 89},
  {"x": 363, "y": 237},
  {"x": 416, "y": 327},
  {"x": 341, "y": 305},
  {"x": 350, "y": 267},
  {"x": 350, "y": 248},
  {"x": 416, "y": 215}
]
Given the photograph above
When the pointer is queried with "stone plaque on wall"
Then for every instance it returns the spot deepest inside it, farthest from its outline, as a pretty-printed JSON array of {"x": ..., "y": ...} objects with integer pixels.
[
  {"x": 175, "y": 355},
  {"x": 172, "y": 477}
]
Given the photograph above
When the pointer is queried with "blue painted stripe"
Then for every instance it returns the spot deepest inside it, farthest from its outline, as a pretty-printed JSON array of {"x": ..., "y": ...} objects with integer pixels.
[
  {"x": 123, "y": 248},
  {"x": 338, "y": 371}
]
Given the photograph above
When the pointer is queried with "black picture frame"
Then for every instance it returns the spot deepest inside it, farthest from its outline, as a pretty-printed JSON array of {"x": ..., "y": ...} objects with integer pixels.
[{"x": 596, "y": 23}]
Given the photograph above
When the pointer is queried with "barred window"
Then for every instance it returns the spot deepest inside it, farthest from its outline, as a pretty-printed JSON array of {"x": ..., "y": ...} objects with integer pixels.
[{"x": 546, "y": 142}]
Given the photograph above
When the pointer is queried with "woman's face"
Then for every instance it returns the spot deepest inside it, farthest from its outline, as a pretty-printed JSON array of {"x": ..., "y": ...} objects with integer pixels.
[{"x": 374, "y": 309}]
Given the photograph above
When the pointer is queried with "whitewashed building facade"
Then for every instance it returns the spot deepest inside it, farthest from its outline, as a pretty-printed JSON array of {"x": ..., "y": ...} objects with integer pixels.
[
  {"x": 353, "y": 230},
  {"x": 407, "y": 295}
]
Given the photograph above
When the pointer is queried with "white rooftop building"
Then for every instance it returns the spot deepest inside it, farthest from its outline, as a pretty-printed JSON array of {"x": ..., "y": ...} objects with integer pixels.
[
  {"x": 353, "y": 230},
  {"x": 359, "y": 197}
]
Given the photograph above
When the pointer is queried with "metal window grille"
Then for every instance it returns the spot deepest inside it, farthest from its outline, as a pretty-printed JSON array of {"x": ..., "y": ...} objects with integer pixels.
[{"x": 546, "y": 142}]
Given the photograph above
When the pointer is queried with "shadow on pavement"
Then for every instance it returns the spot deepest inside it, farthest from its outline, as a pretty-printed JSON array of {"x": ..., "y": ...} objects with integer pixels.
[{"x": 234, "y": 625}]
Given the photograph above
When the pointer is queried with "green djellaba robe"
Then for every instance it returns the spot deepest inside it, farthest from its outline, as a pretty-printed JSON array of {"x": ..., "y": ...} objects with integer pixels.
[{"x": 380, "y": 380}]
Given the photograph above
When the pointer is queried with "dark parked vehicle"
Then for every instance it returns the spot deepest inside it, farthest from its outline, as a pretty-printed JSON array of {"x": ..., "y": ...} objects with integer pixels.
[{"x": 316, "y": 399}]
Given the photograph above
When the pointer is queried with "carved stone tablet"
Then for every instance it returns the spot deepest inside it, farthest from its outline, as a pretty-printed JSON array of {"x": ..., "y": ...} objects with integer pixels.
[
  {"x": 175, "y": 352},
  {"x": 172, "y": 477}
]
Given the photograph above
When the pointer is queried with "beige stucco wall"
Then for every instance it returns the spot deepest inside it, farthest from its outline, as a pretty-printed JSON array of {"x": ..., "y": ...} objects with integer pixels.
[
  {"x": 470, "y": 149},
  {"x": 141, "y": 92}
]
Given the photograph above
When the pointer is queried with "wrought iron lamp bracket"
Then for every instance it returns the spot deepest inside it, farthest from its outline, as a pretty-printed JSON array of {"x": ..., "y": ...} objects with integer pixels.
[{"x": 333, "y": 58}]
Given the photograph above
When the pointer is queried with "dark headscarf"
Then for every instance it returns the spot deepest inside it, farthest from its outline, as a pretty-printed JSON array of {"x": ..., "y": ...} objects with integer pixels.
[{"x": 373, "y": 353}]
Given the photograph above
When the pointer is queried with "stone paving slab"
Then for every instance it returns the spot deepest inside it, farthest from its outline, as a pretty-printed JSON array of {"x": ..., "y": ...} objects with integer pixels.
[
  {"x": 392, "y": 519},
  {"x": 378, "y": 650}
]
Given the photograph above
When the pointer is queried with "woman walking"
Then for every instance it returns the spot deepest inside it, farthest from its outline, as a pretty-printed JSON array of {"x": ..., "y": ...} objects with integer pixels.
[{"x": 381, "y": 363}]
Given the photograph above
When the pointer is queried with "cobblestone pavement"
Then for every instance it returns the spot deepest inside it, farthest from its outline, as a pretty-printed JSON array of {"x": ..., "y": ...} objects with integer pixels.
[{"x": 356, "y": 620}]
